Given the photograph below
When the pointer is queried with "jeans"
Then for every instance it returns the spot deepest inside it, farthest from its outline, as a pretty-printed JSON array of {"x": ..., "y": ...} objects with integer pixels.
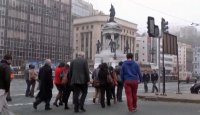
[
  {"x": 131, "y": 87},
  {"x": 154, "y": 86},
  {"x": 28, "y": 85},
  {"x": 119, "y": 91},
  {"x": 145, "y": 87}
]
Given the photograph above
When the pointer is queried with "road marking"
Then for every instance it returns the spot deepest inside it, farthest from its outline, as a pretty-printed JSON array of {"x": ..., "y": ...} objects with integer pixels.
[
  {"x": 87, "y": 101},
  {"x": 54, "y": 93}
]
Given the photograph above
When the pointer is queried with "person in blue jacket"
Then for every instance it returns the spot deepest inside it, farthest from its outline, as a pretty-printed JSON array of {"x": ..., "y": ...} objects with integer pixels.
[{"x": 131, "y": 76}]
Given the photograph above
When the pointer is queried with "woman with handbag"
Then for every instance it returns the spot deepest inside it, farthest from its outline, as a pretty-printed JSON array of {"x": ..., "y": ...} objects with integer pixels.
[
  {"x": 32, "y": 79},
  {"x": 96, "y": 84},
  {"x": 104, "y": 78},
  {"x": 67, "y": 87},
  {"x": 114, "y": 82},
  {"x": 58, "y": 82}
]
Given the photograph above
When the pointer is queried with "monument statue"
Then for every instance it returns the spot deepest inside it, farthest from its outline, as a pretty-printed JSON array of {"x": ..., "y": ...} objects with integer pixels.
[
  {"x": 98, "y": 46},
  {"x": 112, "y": 14},
  {"x": 126, "y": 47},
  {"x": 112, "y": 45}
]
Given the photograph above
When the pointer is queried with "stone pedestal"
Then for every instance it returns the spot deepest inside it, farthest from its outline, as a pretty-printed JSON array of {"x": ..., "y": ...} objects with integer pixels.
[{"x": 111, "y": 31}]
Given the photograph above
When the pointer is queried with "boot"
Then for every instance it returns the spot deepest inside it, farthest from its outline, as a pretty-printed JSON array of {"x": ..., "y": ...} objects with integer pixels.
[{"x": 94, "y": 100}]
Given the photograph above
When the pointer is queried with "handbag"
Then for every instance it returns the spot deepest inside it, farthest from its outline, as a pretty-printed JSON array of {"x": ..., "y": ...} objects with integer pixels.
[
  {"x": 109, "y": 79},
  {"x": 96, "y": 83}
]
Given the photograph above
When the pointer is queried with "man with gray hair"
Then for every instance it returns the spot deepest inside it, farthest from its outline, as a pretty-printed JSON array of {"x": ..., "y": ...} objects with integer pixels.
[
  {"x": 46, "y": 85},
  {"x": 79, "y": 74}
]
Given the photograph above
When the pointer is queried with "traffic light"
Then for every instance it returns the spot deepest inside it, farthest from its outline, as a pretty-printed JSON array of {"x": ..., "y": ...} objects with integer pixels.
[
  {"x": 164, "y": 25},
  {"x": 150, "y": 26},
  {"x": 156, "y": 29}
]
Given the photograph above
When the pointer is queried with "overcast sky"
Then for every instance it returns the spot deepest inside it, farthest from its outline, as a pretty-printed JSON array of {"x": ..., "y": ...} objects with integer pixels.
[{"x": 176, "y": 12}]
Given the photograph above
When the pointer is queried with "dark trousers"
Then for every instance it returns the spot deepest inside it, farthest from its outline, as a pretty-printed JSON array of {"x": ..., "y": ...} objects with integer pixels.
[
  {"x": 66, "y": 93},
  {"x": 28, "y": 85},
  {"x": 145, "y": 87},
  {"x": 32, "y": 85},
  {"x": 154, "y": 86},
  {"x": 79, "y": 89},
  {"x": 105, "y": 89},
  {"x": 119, "y": 91},
  {"x": 113, "y": 92}
]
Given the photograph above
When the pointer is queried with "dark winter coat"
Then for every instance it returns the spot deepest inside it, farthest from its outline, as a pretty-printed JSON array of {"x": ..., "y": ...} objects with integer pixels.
[
  {"x": 154, "y": 77},
  {"x": 103, "y": 76},
  {"x": 46, "y": 83},
  {"x": 146, "y": 77},
  {"x": 5, "y": 72},
  {"x": 79, "y": 71}
]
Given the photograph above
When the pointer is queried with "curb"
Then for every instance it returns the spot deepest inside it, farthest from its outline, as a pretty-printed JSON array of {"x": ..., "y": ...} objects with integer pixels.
[{"x": 168, "y": 99}]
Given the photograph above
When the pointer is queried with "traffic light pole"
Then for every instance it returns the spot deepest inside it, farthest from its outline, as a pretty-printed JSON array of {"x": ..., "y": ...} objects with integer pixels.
[
  {"x": 164, "y": 94},
  {"x": 158, "y": 62},
  {"x": 178, "y": 92}
]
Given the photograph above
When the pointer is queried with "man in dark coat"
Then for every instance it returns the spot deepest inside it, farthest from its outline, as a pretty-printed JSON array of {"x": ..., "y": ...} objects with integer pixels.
[
  {"x": 79, "y": 74},
  {"x": 154, "y": 79},
  {"x": 119, "y": 82},
  {"x": 46, "y": 86},
  {"x": 146, "y": 78},
  {"x": 5, "y": 72}
]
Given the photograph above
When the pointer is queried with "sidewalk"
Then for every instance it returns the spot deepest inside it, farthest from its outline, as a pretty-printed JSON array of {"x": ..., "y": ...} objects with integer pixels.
[{"x": 171, "y": 97}]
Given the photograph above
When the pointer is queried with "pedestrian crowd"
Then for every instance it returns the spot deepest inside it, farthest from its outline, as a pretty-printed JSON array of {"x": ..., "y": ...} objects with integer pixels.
[{"x": 75, "y": 78}]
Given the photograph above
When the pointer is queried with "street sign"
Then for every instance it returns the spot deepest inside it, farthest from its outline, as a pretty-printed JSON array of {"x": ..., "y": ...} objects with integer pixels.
[{"x": 170, "y": 44}]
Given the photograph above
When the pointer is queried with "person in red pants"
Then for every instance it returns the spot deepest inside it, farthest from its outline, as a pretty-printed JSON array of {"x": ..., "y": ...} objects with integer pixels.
[{"x": 131, "y": 76}]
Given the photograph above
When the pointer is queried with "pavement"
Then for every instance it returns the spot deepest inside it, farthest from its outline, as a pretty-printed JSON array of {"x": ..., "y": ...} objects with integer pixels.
[{"x": 171, "y": 97}]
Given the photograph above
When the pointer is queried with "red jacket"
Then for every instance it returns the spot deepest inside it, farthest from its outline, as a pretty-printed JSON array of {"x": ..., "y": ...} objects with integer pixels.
[{"x": 57, "y": 79}]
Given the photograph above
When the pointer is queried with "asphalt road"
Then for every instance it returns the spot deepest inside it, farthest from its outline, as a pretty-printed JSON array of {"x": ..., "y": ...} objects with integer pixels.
[
  {"x": 144, "y": 108},
  {"x": 22, "y": 105}
]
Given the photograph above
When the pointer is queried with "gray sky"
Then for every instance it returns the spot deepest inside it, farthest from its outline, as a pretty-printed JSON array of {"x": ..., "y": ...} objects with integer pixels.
[{"x": 176, "y": 12}]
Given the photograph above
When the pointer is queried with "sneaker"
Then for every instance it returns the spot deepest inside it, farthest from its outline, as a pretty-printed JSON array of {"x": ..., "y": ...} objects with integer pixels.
[
  {"x": 94, "y": 100},
  {"x": 55, "y": 104},
  {"x": 66, "y": 107},
  {"x": 61, "y": 104},
  {"x": 48, "y": 108},
  {"x": 133, "y": 110},
  {"x": 83, "y": 109},
  {"x": 9, "y": 99}
]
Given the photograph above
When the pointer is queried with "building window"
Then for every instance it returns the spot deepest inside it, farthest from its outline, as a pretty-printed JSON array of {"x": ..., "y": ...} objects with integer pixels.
[
  {"x": 137, "y": 45},
  {"x": 77, "y": 28},
  {"x": 92, "y": 26},
  {"x": 82, "y": 27}
]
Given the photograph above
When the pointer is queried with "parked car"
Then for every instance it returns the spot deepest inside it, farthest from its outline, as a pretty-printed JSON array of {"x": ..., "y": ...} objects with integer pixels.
[{"x": 195, "y": 89}]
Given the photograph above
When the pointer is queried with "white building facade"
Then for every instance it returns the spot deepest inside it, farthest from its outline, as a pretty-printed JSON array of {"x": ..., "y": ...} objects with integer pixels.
[
  {"x": 185, "y": 57},
  {"x": 142, "y": 46},
  {"x": 196, "y": 61}
]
